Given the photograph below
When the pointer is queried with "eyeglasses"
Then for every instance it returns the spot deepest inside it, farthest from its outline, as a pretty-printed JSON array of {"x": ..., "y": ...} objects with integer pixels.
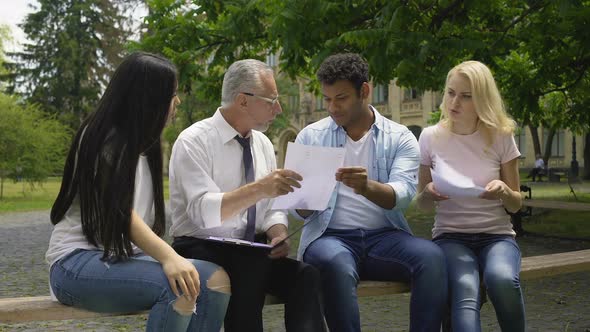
[{"x": 272, "y": 101}]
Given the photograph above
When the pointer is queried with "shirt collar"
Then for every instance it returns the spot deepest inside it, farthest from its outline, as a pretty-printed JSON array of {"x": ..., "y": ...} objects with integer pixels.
[{"x": 225, "y": 130}]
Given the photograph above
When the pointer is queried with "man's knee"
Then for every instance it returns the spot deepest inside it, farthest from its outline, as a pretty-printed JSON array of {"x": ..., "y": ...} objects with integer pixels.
[
  {"x": 433, "y": 258},
  {"x": 219, "y": 282}
]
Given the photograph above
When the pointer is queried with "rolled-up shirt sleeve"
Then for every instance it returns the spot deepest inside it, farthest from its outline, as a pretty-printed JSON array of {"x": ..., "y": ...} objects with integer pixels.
[
  {"x": 403, "y": 176},
  {"x": 192, "y": 186}
]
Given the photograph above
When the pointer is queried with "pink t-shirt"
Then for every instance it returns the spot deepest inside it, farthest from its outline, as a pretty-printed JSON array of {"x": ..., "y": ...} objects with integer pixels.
[{"x": 470, "y": 156}]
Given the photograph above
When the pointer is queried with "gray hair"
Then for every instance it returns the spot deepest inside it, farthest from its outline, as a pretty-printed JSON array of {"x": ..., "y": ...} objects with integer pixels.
[{"x": 242, "y": 76}]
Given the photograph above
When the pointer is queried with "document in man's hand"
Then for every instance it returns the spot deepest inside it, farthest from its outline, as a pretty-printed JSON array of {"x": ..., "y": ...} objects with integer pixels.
[{"x": 317, "y": 165}]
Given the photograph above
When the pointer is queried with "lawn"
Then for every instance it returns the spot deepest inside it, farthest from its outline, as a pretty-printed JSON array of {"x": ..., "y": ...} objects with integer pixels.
[{"x": 22, "y": 197}]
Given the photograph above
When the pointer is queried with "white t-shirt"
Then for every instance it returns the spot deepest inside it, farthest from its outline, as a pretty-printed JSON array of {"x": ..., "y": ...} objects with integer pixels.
[
  {"x": 67, "y": 235},
  {"x": 469, "y": 155},
  {"x": 353, "y": 211}
]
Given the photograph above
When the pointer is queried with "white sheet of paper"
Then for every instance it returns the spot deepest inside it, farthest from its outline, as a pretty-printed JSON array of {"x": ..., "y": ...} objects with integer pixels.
[
  {"x": 450, "y": 182},
  {"x": 317, "y": 165}
]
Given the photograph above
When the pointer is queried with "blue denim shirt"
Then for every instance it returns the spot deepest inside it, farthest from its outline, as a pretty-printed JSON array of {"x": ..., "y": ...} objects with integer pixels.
[{"x": 396, "y": 162}]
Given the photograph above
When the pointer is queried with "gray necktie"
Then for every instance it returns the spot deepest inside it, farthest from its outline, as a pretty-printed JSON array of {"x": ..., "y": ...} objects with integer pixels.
[{"x": 249, "y": 172}]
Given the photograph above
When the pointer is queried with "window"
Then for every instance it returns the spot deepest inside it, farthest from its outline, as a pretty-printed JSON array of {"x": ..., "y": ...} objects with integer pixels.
[
  {"x": 410, "y": 93},
  {"x": 319, "y": 103},
  {"x": 558, "y": 143},
  {"x": 380, "y": 94},
  {"x": 293, "y": 102},
  {"x": 271, "y": 60},
  {"x": 520, "y": 138}
]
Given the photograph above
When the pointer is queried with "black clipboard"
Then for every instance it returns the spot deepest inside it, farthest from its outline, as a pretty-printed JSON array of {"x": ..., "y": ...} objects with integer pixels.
[{"x": 251, "y": 244}]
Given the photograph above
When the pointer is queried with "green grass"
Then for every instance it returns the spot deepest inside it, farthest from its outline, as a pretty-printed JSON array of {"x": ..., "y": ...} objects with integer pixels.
[
  {"x": 23, "y": 197},
  {"x": 562, "y": 223}
]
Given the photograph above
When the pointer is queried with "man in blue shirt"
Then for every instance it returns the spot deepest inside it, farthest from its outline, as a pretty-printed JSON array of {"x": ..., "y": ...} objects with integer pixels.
[{"x": 363, "y": 235}]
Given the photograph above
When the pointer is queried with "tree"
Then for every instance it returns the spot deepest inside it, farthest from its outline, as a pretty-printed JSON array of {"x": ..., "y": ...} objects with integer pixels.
[
  {"x": 4, "y": 38},
  {"x": 75, "y": 46},
  {"x": 535, "y": 48},
  {"x": 32, "y": 145}
]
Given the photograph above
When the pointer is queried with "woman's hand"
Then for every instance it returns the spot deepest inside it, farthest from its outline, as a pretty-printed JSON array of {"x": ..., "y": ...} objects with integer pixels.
[
  {"x": 496, "y": 189},
  {"x": 181, "y": 272},
  {"x": 430, "y": 193}
]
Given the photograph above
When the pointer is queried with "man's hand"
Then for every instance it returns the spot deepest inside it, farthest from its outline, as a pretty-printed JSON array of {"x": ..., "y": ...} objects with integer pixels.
[
  {"x": 305, "y": 213},
  {"x": 279, "y": 182},
  {"x": 281, "y": 250},
  {"x": 276, "y": 233},
  {"x": 353, "y": 177}
]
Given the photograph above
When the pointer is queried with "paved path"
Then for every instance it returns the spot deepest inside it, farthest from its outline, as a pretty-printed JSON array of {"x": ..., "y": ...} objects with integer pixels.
[{"x": 560, "y": 303}]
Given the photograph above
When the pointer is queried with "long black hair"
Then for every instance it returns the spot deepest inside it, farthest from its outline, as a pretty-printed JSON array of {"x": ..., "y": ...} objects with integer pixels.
[{"x": 101, "y": 164}]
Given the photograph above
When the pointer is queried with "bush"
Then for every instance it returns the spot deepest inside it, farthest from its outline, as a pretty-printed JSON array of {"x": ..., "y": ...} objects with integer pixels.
[{"x": 32, "y": 145}]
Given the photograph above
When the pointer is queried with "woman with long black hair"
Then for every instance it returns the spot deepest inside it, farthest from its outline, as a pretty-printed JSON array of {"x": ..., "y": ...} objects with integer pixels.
[{"x": 105, "y": 252}]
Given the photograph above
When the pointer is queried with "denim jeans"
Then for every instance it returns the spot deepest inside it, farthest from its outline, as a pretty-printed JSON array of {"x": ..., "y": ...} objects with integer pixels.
[
  {"x": 81, "y": 279},
  {"x": 346, "y": 256},
  {"x": 497, "y": 259}
]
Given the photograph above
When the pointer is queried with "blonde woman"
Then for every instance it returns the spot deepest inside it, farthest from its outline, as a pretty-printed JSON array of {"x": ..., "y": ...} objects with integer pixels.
[{"x": 475, "y": 138}]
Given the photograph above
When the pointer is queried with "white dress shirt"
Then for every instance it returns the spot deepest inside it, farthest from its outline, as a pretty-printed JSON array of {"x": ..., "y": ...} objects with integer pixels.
[{"x": 206, "y": 162}]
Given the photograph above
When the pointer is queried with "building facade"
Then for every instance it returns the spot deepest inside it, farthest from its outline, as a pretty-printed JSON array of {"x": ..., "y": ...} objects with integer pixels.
[{"x": 413, "y": 108}]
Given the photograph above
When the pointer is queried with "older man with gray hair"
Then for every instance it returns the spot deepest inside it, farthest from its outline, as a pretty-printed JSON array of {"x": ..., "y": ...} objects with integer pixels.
[{"x": 223, "y": 179}]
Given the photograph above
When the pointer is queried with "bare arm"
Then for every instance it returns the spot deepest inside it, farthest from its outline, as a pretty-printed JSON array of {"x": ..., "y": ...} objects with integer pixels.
[
  {"x": 427, "y": 194},
  {"x": 381, "y": 194},
  {"x": 507, "y": 188},
  {"x": 177, "y": 269}
]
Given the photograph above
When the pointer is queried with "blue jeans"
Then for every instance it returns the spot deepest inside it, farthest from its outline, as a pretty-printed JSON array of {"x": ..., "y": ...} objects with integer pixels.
[
  {"x": 81, "y": 279},
  {"x": 344, "y": 257},
  {"x": 497, "y": 259}
]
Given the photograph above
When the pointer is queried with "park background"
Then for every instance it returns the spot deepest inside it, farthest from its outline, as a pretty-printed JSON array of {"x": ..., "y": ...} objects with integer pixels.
[{"x": 539, "y": 52}]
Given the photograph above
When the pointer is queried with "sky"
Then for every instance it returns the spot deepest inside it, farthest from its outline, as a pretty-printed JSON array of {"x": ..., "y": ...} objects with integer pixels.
[{"x": 13, "y": 12}]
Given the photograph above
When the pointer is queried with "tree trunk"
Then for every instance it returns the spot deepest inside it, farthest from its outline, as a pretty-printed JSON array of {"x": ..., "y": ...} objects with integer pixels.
[
  {"x": 536, "y": 143},
  {"x": 548, "y": 145},
  {"x": 586, "y": 175}
]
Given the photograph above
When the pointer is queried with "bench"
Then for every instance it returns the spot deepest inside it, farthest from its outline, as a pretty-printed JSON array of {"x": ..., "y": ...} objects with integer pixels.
[
  {"x": 528, "y": 203},
  {"x": 39, "y": 308},
  {"x": 557, "y": 205},
  {"x": 555, "y": 174}
]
